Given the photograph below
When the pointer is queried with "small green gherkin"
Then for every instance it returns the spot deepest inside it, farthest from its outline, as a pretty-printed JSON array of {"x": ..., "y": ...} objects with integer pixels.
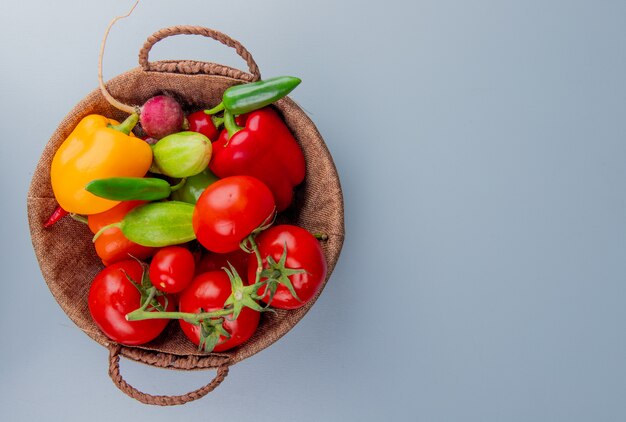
[{"x": 159, "y": 224}]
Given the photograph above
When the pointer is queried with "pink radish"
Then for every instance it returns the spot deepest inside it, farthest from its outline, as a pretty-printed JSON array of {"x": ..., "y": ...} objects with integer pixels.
[{"x": 160, "y": 116}]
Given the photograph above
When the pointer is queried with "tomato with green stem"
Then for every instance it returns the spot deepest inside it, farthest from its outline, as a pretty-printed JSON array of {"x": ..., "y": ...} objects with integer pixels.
[
  {"x": 119, "y": 289},
  {"x": 210, "y": 292},
  {"x": 294, "y": 267}
]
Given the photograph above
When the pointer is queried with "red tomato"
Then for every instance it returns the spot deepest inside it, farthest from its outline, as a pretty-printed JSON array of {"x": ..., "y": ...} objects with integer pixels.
[
  {"x": 112, "y": 296},
  {"x": 303, "y": 252},
  {"x": 208, "y": 292},
  {"x": 229, "y": 210},
  {"x": 172, "y": 269},
  {"x": 216, "y": 261},
  {"x": 202, "y": 123}
]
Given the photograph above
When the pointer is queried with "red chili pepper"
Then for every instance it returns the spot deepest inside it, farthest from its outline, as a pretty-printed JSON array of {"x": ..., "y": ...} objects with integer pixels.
[
  {"x": 56, "y": 215},
  {"x": 265, "y": 149}
]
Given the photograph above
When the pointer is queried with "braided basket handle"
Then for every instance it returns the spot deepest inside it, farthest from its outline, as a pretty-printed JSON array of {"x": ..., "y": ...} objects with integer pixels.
[
  {"x": 114, "y": 373},
  {"x": 193, "y": 67}
]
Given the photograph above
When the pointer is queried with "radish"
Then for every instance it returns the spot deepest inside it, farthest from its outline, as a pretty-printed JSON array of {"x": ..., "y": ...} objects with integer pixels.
[{"x": 160, "y": 116}]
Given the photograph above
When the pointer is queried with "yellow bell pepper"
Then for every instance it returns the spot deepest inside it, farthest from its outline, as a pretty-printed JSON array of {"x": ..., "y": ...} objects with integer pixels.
[{"x": 97, "y": 148}]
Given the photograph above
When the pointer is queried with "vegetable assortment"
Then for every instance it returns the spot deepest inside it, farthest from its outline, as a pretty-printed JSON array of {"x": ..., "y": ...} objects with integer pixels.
[{"x": 183, "y": 218}]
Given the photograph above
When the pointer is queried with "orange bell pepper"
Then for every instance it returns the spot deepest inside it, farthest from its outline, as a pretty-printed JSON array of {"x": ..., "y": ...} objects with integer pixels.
[{"x": 97, "y": 148}]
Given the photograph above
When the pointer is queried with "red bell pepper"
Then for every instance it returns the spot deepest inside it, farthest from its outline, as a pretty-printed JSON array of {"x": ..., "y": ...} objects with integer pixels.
[{"x": 264, "y": 148}]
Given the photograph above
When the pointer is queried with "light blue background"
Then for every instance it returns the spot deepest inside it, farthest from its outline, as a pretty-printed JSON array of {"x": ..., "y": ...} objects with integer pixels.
[{"x": 481, "y": 146}]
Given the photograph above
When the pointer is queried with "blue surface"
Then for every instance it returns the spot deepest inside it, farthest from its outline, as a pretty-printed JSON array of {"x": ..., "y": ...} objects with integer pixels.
[{"x": 481, "y": 148}]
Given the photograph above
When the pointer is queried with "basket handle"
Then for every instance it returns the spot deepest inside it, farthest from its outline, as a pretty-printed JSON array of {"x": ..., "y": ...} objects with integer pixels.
[
  {"x": 193, "y": 67},
  {"x": 114, "y": 373}
]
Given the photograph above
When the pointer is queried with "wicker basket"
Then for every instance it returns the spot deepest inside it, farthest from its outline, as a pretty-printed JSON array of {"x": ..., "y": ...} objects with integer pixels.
[{"x": 65, "y": 252}]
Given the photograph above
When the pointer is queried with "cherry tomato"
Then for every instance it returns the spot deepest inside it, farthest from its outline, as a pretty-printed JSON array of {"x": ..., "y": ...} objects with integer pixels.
[
  {"x": 216, "y": 261},
  {"x": 172, "y": 269},
  {"x": 229, "y": 210},
  {"x": 207, "y": 293},
  {"x": 112, "y": 296},
  {"x": 303, "y": 252},
  {"x": 202, "y": 123}
]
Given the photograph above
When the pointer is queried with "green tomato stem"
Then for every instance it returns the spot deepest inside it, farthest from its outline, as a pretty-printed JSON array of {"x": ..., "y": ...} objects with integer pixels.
[
  {"x": 151, "y": 295},
  {"x": 259, "y": 259},
  {"x": 141, "y": 314}
]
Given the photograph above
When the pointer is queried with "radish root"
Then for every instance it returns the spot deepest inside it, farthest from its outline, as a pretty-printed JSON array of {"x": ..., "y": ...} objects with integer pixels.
[{"x": 115, "y": 103}]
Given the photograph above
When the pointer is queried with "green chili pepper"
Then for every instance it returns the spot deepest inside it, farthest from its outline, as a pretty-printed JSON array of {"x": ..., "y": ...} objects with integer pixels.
[
  {"x": 131, "y": 188},
  {"x": 194, "y": 186},
  {"x": 157, "y": 224},
  {"x": 182, "y": 154},
  {"x": 241, "y": 99}
]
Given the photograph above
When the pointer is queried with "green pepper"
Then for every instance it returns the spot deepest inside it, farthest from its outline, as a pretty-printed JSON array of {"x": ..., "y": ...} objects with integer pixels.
[
  {"x": 157, "y": 224},
  {"x": 182, "y": 154},
  {"x": 194, "y": 186},
  {"x": 241, "y": 99},
  {"x": 132, "y": 188}
]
